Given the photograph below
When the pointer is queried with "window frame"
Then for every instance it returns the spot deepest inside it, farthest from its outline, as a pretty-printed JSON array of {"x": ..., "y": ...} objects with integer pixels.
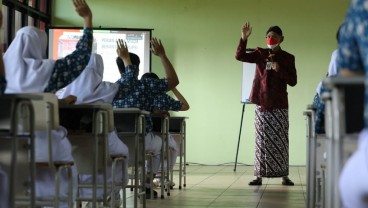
[{"x": 20, "y": 13}]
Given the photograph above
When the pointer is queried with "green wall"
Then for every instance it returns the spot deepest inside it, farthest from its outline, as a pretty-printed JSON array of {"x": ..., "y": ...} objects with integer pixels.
[{"x": 200, "y": 38}]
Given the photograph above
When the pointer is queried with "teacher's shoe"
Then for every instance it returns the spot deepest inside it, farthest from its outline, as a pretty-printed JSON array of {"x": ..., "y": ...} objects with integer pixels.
[
  {"x": 256, "y": 182},
  {"x": 287, "y": 182}
]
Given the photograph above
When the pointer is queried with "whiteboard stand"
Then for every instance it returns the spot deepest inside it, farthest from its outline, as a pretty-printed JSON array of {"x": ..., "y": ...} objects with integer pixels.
[
  {"x": 237, "y": 148},
  {"x": 249, "y": 70}
]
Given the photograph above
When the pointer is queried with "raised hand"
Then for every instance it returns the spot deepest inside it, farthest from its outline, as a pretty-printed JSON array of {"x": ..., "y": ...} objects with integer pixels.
[
  {"x": 122, "y": 51},
  {"x": 159, "y": 50},
  {"x": 157, "y": 47},
  {"x": 246, "y": 31},
  {"x": 83, "y": 10}
]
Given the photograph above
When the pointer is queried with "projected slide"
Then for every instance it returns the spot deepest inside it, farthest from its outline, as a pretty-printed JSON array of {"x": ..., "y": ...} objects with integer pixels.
[{"x": 62, "y": 41}]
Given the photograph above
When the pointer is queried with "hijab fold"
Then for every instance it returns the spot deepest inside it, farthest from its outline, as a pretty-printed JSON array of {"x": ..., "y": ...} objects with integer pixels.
[
  {"x": 89, "y": 87},
  {"x": 27, "y": 68}
]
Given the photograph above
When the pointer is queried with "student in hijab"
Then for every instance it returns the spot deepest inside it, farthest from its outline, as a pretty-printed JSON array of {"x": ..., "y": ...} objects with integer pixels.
[
  {"x": 27, "y": 64},
  {"x": 89, "y": 88},
  {"x": 30, "y": 71}
]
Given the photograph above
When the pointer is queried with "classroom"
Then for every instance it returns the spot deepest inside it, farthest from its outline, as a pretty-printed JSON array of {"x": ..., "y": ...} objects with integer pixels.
[{"x": 200, "y": 38}]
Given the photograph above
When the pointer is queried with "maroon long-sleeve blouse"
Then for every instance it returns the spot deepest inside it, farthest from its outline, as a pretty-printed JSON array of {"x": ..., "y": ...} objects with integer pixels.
[{"x": 269, "y": 87}]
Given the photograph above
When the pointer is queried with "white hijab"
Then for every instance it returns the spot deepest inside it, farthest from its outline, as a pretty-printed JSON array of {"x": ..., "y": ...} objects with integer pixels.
[
  {"x": 27, "y": 68},
  {"x": 89, "y": 87}
]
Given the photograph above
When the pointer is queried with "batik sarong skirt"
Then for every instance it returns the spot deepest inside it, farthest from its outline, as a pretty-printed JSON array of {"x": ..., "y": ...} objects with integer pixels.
[{"x": 272, "y": 143}]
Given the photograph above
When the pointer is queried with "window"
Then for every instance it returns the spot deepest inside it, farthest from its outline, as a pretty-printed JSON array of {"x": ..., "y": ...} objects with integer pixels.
[{"x": 20, "y": 13}]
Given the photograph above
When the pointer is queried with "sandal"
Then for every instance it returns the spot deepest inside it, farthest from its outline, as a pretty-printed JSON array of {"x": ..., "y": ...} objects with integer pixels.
[
  {"x": 287, "y": 182},
  {"x": 256, "y": 182}
]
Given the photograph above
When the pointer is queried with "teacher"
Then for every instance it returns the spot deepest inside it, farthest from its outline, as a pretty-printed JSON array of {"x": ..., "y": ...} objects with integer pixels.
[{"x": 275, "y": 70}]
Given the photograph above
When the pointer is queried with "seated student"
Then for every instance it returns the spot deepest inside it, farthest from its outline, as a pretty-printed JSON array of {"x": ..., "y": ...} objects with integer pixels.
[
  {"x": 134, "y": 93},
  {"x": 352, "y": 61},
  {"x": 163, "y": 103},
  {"x": 30, "y": 71},
  {"x": 89, "y": 88},
  {"x": 319, "y": 126}
]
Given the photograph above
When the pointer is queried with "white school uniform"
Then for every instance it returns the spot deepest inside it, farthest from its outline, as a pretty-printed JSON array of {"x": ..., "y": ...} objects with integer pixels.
[
  {"x": 174, "y": 151},
  {"x": 61, "y": 151},
  {"x": 89, "y": 88},
  {"x": 28, "y": 71},
  {"x": 153, "y": 144},
  {"x": 353, "y": 182}
]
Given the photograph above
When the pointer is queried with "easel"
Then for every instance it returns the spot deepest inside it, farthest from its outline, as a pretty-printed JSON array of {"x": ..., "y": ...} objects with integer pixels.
[
  {"x": 240, "y": 130},
  {"x": 249, "y": 70}
]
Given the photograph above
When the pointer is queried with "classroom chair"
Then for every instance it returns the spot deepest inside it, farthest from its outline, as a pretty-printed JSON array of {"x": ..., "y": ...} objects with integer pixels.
[
  {"x": 130, "y": 126},
  {"x": 47, "y": 119},
  {"x": 17, "y": 150},
  {"x": 88, "y": 127}
]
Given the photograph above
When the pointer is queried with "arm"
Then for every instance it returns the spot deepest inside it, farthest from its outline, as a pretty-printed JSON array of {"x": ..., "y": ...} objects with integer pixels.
[
  {"x": 68, "y": 100},
  {"x": 128, "y": 77},
  {"x": 123, "y": 53},
  {"x": 158, "y": 50},
  {"x": 68, "y": 68},
  {"x": 241, "y": 50},
  {"x": 162, "y": 113},
  {"x": 181, "y": 98},
  {"x": 246, "y": 31}
]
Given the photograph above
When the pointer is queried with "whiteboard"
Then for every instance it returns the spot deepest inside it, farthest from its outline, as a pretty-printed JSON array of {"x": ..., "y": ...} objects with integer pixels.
[
  {"x": 62, "y": 41},
  {"x": 249, "y": 69}
]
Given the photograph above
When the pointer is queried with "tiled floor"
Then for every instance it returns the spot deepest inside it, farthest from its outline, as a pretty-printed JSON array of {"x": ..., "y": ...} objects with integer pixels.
[{"x": 220, "y": 186}]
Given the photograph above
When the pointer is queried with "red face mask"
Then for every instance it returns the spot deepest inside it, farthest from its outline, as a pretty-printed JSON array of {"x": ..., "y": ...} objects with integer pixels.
[{"x": 272, "y": 43}]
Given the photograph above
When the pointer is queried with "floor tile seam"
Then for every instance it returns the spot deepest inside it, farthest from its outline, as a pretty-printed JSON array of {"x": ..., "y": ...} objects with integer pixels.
[
  {"x": 218, "y": 196},
  {"x": 260, "y": 198},
  {"x": 228, "y": 187}
]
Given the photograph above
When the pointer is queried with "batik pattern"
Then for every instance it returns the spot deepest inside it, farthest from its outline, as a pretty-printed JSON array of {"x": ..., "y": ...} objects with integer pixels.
[{"x": 272, "y": 143}]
